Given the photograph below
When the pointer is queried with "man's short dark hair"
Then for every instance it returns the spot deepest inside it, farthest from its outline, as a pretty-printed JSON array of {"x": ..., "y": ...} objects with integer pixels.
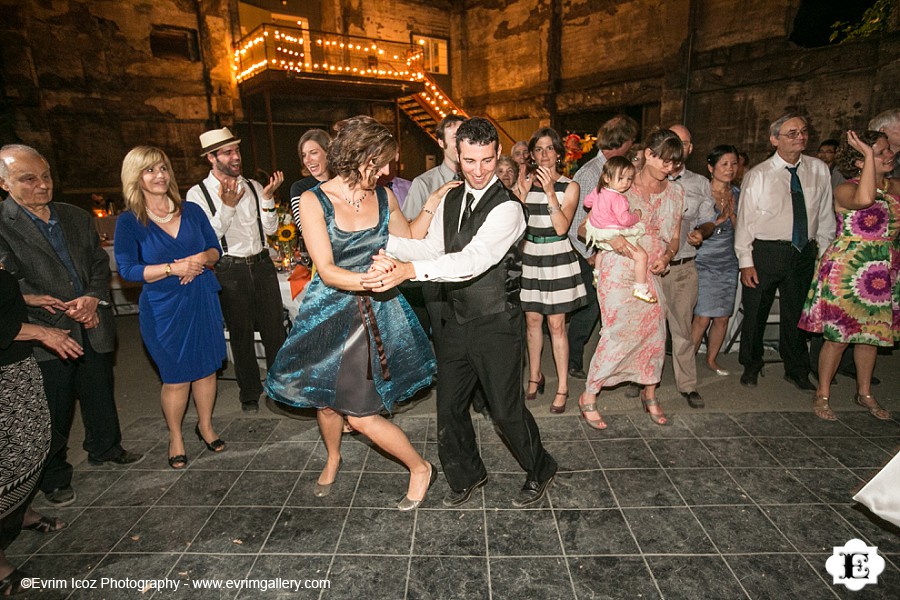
[
  {"x": 446, "y": 122},
  {"x": 477, "y": 130},
  {"x": 830, "y": 142},
  {"x": 617, "y": 132}
]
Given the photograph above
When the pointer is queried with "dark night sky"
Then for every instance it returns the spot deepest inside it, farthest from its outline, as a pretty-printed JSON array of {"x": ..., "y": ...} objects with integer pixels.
[{"x": 812, "y": 26}]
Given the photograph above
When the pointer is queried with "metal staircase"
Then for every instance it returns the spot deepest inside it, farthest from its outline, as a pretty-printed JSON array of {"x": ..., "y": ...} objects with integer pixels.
[{"x": 428, "y": 107}]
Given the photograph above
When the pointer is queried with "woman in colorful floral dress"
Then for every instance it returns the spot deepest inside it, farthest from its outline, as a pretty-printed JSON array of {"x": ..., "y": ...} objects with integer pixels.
[{"x": 854, "y": 297}]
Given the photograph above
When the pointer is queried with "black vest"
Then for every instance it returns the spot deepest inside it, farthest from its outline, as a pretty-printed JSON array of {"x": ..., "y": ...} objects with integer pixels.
[{"x": 497, "y": 289}]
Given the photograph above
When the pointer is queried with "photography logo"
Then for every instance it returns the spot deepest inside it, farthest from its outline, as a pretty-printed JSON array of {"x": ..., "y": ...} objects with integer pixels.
[{"x": 855, "y": 565}]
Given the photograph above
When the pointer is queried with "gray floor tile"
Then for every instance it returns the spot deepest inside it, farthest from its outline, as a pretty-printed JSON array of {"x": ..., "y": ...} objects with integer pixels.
[
  {"x": 95, "y": 530},
  {"x": 306, "y": 531},
  {"x": 663, "y": 530},
  {"x": 875, "y": 531},
  {"x": 138, "y": 488},
  {"x": 342, "y": 490},
  {"x": 617, "y": 427},
  {"x": 235, "y": 530},
  {"x": 282, "y": 456},
  {"x": 772, "y": 486},
  {"x": 579, "y": 530},
  {"x": 313, "y": 568},
  {"x": 377, "y": 531},
  {"x": 450, "y": 532},
  {"x": 682, "y": 453},
  {"x": 199, "y": 488},
  {"x": 811, "y": 528},
  {"x": 447, "y": 578},
  {"x": 830, "y": 485},
  {"x": 625, "y": 454},
  {"x": 59, "y": 566},
  {"x": 713, "y": 425},
  {"x": 235, "y": 457},
  {"x": 573, "y": 455},
  {"x": 131, "y": 566},
  {"x": 740, "y": 529},
  {"x": 295, "y": 430},
  {"x": 532, "y": 578},
  {"x": 165, "y": 529},
  {"x": 853, "y": 452},
  {"x": 813, "y": 426},
  {"x": 677, "y": 427},
  {"x": 192, "y": 569},
  {"x": 708, "y": 486},
  {"x": 798, "y": 452},
  {"x": 778, "y": 576},
  {"x": 586, "y": 489},
  {"x": 740, "y": 452},
  {"x": 29, "y": 542},
  {"x": 249, "y": 430},
  {"x": 865, "y": 424},
  {"x": 611, "y": 577},
  {"x": 522, "y": 533},
  {"x": 692, "y": 577},
  {"x": 370, "y": 577},
  {"x": 643, "y": 487},
  {"x": 261, "y": 488},
  {"x": 769, "y": 424}
]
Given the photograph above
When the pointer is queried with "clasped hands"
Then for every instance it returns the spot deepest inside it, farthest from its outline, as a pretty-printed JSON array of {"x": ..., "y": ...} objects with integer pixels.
[
  {"x": 189, "y": 267},
  {"x": 385, "y": 273},
  {"x": 82, "y": 309}
]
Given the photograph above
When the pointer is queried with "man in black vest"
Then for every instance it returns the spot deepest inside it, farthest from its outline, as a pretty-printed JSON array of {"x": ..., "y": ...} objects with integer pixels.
[{"x": 472, "y": 248}]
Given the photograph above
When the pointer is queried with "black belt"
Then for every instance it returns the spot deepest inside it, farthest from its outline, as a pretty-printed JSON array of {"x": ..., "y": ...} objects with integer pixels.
[
  {"x": 544, "y": 239},
  {"x": 247, "y": 260},
  {"x": 783, "y": 242},
  {"x": 681, "y": 261}
]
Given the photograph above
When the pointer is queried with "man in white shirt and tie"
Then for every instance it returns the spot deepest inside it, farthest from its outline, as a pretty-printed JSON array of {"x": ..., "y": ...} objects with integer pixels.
[
  {"x": 242, "y": 213},
  {"x": 785, "y": 218},
  {"x": 472, "y": 249}
]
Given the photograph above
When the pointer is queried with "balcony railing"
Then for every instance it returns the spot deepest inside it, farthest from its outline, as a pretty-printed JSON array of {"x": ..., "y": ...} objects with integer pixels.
[{"x": 306, "y": 51}]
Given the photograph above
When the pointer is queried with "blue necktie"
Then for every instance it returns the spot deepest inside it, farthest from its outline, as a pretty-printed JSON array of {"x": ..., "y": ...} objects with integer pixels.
[{"x": 800, "y": 234}]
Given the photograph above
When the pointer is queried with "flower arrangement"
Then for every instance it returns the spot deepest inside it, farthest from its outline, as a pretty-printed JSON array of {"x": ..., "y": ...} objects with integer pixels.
[{"x": 286, "y": 238}]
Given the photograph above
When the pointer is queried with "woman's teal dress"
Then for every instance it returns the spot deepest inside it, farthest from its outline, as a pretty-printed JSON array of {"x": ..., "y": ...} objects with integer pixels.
[{"x": 356, "y": 352}]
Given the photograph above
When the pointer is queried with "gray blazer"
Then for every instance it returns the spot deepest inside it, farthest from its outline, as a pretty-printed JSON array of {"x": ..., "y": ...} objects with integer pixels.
[{"x": 26, "y": 254}]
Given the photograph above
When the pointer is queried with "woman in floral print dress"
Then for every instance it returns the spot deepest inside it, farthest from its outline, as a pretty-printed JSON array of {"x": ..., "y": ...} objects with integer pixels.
[{"x": 854, "y": 297}]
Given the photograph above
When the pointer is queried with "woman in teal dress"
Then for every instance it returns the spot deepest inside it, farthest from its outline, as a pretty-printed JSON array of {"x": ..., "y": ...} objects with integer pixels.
[
  {"x": 351, "y": 352},
  {"x": 167, "y": 244}
]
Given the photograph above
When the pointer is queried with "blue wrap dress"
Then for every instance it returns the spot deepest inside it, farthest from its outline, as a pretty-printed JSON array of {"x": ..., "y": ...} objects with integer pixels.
[{"x": 182, "y": 325}]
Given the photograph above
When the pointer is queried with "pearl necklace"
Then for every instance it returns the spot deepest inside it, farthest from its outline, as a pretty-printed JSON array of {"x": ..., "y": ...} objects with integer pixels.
[{"x": 162, "y": 220}]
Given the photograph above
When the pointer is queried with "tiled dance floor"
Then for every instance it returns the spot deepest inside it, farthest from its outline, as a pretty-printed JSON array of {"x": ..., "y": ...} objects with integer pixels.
[{"x": 719, "y": 505}]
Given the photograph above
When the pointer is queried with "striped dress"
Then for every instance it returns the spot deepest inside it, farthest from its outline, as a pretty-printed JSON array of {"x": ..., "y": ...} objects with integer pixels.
[{"x": 551, "y": 274}]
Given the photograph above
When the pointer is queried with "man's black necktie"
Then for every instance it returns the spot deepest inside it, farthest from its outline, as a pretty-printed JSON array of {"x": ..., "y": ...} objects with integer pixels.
[
  {"x": 800, "y": 233},
  {"x": 467, "y": 211}
]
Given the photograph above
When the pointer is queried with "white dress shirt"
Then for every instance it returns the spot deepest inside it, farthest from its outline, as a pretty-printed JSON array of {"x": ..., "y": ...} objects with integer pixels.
[
  {"x": 502, "y": 228},
  {"x": 237, "y": 224},
  {"x": 765, "y": 211}
]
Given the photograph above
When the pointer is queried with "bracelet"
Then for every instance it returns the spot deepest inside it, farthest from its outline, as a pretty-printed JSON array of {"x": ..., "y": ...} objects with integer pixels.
[
  {"x": 168, "y": 269},
  {"x": 268, "y": 209},
  {"x": 551, "y": 209},
  {"x": 430, "y": 212}
]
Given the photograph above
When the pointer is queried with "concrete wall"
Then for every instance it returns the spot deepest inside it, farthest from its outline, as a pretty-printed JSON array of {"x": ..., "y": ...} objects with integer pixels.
[{"x": 82, "y": 85}]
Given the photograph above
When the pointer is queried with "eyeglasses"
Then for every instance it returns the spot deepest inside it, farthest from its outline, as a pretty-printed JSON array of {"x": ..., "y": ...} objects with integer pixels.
[{"x": 793, "y": 134}]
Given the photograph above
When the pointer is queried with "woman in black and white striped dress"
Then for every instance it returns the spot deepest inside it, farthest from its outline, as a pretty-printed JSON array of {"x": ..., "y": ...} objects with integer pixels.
[{"x": 551, "y": 276}]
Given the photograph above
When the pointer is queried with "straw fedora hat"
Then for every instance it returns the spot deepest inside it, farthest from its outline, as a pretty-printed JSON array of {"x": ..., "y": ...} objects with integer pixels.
[{"x": 216, "y": 138}]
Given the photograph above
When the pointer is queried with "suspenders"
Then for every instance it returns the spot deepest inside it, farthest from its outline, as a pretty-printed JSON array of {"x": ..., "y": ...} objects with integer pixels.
[{"x": 212, "y": 209}]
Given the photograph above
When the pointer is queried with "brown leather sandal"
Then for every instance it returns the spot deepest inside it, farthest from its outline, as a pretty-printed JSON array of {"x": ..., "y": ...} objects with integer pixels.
[{"x": 869, "y": 402}]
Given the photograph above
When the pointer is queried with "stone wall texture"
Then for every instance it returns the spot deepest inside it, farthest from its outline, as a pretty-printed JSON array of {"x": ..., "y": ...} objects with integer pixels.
[{"x": 80, "y": 81}]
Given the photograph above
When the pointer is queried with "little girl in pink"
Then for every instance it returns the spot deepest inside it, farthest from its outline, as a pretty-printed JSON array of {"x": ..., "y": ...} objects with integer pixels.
[{"x": 611, "y": 217}]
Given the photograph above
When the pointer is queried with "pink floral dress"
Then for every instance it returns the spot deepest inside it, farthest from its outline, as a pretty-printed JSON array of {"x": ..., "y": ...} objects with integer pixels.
[
  {"x": 633, "y": 339},
  {"x": 854, "y": 296}
]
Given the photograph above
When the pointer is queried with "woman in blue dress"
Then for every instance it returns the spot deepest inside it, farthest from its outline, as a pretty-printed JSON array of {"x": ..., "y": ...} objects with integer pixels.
[
  {"x": 168, "y": 244},
  {"x": 717, "y": 264},
  {"x": 354, "y": 353}
]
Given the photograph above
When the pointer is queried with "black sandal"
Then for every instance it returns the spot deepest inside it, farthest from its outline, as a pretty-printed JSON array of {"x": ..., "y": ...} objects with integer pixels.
[
  {"x": 216, "y": 445},
  {"x": 46, "y": 525},
  {"x": 12, "y": 583},
  {"x": 178, "y": 459}
]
